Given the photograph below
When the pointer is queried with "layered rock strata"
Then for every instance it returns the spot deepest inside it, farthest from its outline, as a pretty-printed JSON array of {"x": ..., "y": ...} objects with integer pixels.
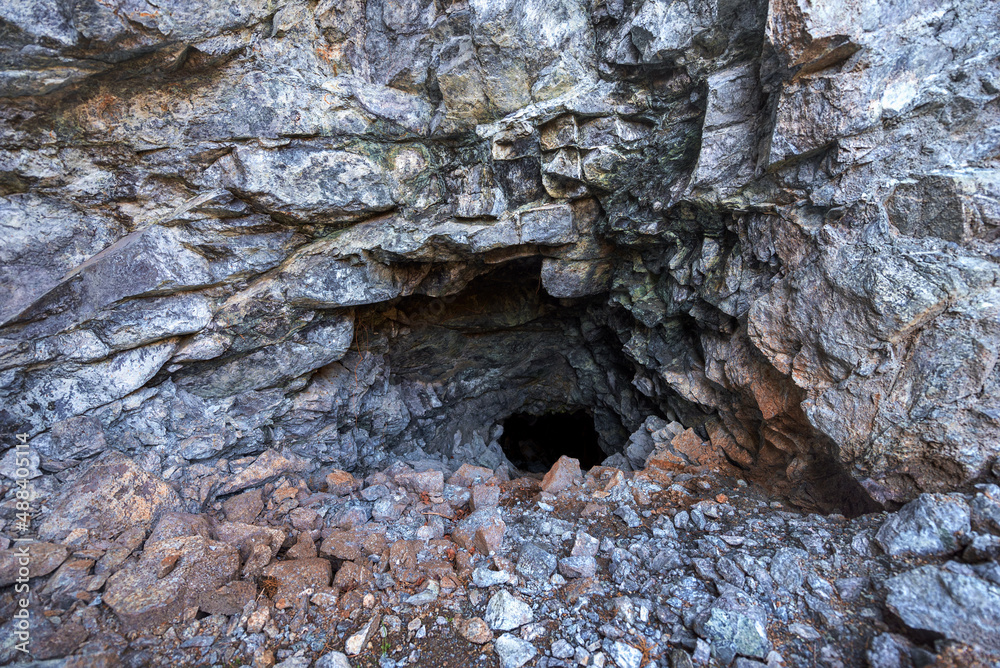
[{"x": 346, "y": 231}]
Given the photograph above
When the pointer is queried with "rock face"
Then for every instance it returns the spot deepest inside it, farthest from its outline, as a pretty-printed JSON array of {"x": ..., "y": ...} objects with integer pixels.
[
  {"x": 113, "y": 494},
  {"x": 345, "y": 232}
]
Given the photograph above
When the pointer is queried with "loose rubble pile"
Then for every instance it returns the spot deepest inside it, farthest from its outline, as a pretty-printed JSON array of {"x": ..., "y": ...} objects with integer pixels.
[
  {"x": 349, "y": 228},
  {"x": 672, "y": 565}
]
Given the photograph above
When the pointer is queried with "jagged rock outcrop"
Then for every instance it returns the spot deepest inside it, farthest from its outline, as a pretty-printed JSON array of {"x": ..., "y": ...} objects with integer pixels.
[{"x": 345, "y": 230}]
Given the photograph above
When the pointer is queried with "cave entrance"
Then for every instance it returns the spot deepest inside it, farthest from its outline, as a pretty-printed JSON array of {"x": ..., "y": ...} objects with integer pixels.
[{"x": 533, "y": 443}]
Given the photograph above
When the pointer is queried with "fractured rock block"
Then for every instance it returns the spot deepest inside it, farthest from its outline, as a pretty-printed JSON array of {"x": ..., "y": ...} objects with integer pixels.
[
  {"x": 267, "y": 467},
  {"x": 177, "y": 525},
  {"x": 308, "y": 183},
  {"x": 535, "y": 564},
  {"x": 244, "y": 507},
  {"x": 488, "y": 520},
  {"x": 564, "y": 474},
  {"x": 575, "y": 278},
  {"x": 578, "y": 567},
  {"x": 468, "y": 475},
  {"x": 297, "y": 575},
  {"x": 423, "y": 482},
  {"x": 549, "y": 225},
  {"x": 558, "y": 133},
  {"x": 352, "y": 576},
  {"x": 344, "y": 545},
  {"x": 142, "y": 599},
  {"x": 229, "y": 599},
  {"x": 40, "y": 559},
  {"x": 341, "y": 483},
  {"x": 485, "y": 496}
]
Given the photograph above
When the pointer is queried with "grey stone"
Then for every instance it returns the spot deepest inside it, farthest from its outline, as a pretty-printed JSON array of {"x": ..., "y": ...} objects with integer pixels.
[
  {"x": 294, "y": 662},
  {"x": 562, "y": 649},
  {"x": 513, "y": 651},
  {"x": 505, "y": 612},
  {"x": 535, "y": 564},
  {"x": 958, "y": 606},
  {"x": 356, "y": 643},
  {"x": 788, "y": 568},
  {"x": 484, "y": 577},
  {"x": 733, "y": 633},
  {"x": 626, "y": 655},
  {"x": 629, "y": 516},
  {"x": 985, "y": 510},
  {"x": 982, "y": 548},
  {"x": 333, "y": 660},
  {"x": 666, "y": 560},
  {"x": 309, "y": 183},
  {"x": 888, "y": 651},
  {"x": 585, "y": 545},
  {"x": 931, "y": 524}
]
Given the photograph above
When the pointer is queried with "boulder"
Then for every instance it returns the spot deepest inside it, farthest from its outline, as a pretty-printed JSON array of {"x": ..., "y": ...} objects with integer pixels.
[
  {"x": 930, "y": 524},
  {"x": 953, "y": 603},
  {"x": 171, "y": 575}
]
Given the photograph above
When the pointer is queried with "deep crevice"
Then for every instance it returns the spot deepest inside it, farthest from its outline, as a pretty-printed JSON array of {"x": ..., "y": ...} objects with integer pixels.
[{"x": 533, "y": 443}]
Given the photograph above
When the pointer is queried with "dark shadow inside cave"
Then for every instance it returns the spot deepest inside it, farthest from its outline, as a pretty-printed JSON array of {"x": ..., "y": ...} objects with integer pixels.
[{"x": 533, "y": 443}]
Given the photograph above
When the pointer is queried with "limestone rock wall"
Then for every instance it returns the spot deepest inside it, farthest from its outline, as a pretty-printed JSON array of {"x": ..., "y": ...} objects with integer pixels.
[{"x": 355, "y": 228}]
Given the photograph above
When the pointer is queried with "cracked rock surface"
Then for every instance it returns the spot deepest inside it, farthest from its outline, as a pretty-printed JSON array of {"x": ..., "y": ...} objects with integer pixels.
[
  {"x": 275, "y": 274},
  {"x": 242, "y": 226}
]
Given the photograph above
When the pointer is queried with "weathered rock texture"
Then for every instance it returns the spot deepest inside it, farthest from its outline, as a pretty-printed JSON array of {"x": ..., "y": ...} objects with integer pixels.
[{"x": 345, "y": 229}]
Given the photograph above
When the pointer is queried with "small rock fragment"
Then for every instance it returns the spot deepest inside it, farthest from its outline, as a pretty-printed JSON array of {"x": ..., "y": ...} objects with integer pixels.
[
  {"x": 357, "y": 642},
  {"x": 513, "y": 651},
  {"x": 578, "y": 567},
  {"x": 475, "y": 630},
  {"x": 535, "y": 564},
  {"x": 505, "y": 612}
]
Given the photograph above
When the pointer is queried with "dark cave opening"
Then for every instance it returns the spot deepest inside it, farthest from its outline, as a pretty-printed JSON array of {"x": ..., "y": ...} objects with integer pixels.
[{"x": 533, "y": 443}]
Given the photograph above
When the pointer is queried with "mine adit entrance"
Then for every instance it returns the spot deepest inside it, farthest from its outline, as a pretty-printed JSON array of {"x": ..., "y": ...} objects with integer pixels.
[{"x": 533, "y": 443}]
